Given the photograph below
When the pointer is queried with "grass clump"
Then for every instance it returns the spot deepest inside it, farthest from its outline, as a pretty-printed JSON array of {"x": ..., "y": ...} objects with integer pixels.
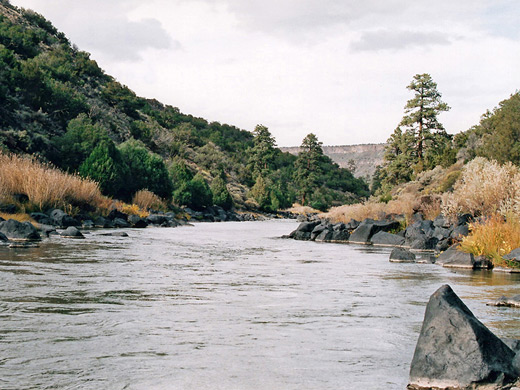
[
  {"x": 493, "y": 238},
  {"x": 147, "y": 200},
  {"x": 45, "y": 186}
]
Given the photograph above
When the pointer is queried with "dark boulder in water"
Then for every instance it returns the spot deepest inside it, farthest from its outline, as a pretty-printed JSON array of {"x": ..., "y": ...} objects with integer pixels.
[{"x": 456, "y": 351}]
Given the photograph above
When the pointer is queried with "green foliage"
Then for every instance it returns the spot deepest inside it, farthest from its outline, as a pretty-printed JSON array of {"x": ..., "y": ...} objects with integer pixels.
[
  {"x": 147, "y": 170},
  {"x": 261, "y": 155},
  {"x": 122, "y": 97},
  {"x": 420, "y": 142},
  {"x": 221, "y": 195},
  {"x": 194, "y": 193},
  {"x": 106, "y": 166},
  {"x": 421, "y": 113},
  {"x": 308, "y": 167},
  {"x": 78, "y": 142},
  {"x": 500, "y": 132}
]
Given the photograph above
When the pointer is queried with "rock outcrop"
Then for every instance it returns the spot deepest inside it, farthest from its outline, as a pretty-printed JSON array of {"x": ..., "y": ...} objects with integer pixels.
[{"x": 456, "y": 351}]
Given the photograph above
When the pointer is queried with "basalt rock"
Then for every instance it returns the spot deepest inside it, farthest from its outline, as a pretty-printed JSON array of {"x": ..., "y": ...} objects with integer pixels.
[
  {"x": 507, "y": 302},
  {"x": 61, "y": 218},
  {"x": 456, "y": 351},
  {"x": 72, "y": 232},
  {"x": 401, "y": 255},
  {"x": 137, "y": 222},
  {"x": 19, "y": 231},
  {"x": 387, "y": 239}
]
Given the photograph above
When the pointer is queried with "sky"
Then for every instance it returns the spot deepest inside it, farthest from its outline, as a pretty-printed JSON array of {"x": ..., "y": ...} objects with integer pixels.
[{"x": 336, "y": 68}]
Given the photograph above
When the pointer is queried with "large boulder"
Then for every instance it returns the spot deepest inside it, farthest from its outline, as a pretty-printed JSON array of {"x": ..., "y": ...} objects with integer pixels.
[
  {"x": 363, "y": 233},
  {"x": 387, "y": 239},
  {"x": 19, "y": 231},
  {"x": 401, "y": 255},
  {"x": 453, "y": 258},
  {"x": 136, "y": 221},
  {"x": 340, "y": 236},
  {"x": 42, "y": 219},
  {"x": 325, "y": 235},
  {"x": 455, "y": 350},
  {"x": 72, "y": 232},
  {"x": 156, "y": 219},
  {"x": 61, "y": 218}
]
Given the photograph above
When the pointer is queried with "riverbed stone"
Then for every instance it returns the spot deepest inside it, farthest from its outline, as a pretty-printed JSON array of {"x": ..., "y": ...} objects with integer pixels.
[
  {"x": 325, "y": 235},
  {"x": 3, "y": 238},
  {"x": 460, "y": 232},
  {"x": 455, "y": 350},
  {"x": 513, "y": 255},
  {"x": 507, "y": 302},
  {"x": 453, "y": 258},
  {"x": 424, "y": 243},
  {"x": 19, "y": 231},
  {"x": 120, "y": 223},
  {"x": 72, "y": 232},
  {"x": 61, "y": 218},
  {"x": 318, "y": 230},
  {"x": 352, "y": 224},
  {"x": 401, "y": 255},
  {"x": 340, "y": 236},
  {"x": 387, "y": 239},
  {"x": 362, "y": 234},
  {"x": 137, "y": 222}
]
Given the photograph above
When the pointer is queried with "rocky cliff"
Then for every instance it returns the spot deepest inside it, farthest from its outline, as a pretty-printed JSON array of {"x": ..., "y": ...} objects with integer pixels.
[{"x": 366, "y": 157}]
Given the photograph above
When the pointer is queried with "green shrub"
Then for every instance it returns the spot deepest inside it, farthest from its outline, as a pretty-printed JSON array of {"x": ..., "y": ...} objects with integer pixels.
[
  {"x": 147, "y": 170},
  {"x": 221, "y": 195},
  {"x": 105, "y": 166}
]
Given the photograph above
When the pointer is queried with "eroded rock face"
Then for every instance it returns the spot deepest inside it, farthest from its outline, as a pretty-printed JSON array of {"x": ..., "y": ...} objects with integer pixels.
[{"x": 455, "y": 350}]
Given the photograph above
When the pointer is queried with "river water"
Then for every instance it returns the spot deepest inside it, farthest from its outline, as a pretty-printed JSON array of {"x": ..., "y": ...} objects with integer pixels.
[{"x": 221, "y": 306}]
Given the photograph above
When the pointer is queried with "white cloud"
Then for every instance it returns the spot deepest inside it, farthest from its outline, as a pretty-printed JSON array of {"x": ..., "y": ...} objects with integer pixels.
[{"x": 336, "y": 68}]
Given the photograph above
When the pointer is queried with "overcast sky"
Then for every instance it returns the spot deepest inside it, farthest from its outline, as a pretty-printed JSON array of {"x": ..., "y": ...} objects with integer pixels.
[{"x": 338, "y": 68}]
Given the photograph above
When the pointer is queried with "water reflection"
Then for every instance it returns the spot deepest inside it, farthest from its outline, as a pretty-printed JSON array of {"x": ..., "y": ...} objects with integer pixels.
[{"x": 221, "y": 306}]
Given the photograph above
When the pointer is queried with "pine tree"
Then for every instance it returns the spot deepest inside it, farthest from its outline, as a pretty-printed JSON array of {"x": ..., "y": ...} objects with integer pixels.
[
  {"x": 308, "y": 172},
  {"x": 421, "y": 116},
  {"x": 262, "y": 154}
]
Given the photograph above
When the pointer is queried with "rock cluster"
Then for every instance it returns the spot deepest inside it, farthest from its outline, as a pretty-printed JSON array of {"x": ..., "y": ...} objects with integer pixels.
[
  {"x": 422, "y": 234},
  {"x": 456, "y": 351}
]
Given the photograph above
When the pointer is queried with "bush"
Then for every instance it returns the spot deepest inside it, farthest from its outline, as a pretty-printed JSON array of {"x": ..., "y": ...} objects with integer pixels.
[
  {"x": 78, "y": 142},
  {"x": 221, "y": 195},
  {"x": 147, "y": 170},
  {"x": 194, "y": 193},
  {"x": 106, "y": 166},
  {"x": 485, "y": 188}
]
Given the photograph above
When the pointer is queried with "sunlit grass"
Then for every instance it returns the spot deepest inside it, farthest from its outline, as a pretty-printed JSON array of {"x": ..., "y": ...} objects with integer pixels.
[
  {"x": 493, "y": 238},
  {"x": 45, "y": 186}
]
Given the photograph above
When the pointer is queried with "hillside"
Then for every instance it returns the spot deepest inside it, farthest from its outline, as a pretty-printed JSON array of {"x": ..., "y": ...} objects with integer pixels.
[
  {"x": 366, "y": 157},
  {"x": 57, "y": 104}
]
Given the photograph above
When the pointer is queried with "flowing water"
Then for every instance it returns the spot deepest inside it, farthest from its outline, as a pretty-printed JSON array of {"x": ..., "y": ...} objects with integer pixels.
[{"x": 221, "y": 306}]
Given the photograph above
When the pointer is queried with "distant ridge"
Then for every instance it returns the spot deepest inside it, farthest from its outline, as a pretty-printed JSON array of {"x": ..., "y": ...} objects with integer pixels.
[{"x": 365, "y": 156}]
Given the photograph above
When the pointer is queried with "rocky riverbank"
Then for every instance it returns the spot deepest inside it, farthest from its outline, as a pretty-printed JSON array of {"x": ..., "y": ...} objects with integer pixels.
[
  {"x": 437, "y": 240},
  {"x": 57, "y": 222}
]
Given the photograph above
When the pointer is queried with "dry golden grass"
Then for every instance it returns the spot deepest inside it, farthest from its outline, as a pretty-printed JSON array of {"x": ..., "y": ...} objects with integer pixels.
[
  {"x": 131, "y": 209},
  {"x": 302, "y": 210},
  {"x": 148, "y": 200},
  {"x": 406, "y": 204},
  {"x": 493, "y": 238},
  {"x": 45, "y": 186},
  {"x": 20, "y": 217}
]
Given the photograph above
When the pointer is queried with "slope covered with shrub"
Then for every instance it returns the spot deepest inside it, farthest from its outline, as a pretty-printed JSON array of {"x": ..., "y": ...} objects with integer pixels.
[{"x": 56, "y": 103}]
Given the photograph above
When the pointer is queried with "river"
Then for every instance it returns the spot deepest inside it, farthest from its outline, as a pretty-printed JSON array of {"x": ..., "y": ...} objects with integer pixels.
[{"x": 221, "y": 306}]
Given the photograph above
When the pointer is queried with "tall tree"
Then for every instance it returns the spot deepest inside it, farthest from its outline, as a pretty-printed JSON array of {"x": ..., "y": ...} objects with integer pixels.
[
  {"x": 262, "y": 154},
  {"x": 421, "y": 114},
  {"x": 308, "y": 166}
]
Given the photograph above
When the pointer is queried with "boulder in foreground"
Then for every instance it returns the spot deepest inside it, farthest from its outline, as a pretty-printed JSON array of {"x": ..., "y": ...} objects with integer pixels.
[
  {"x": 19, "y": 231},
  {"x": 456, "y": 351},
  {"x": 401, "y": 255}
]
